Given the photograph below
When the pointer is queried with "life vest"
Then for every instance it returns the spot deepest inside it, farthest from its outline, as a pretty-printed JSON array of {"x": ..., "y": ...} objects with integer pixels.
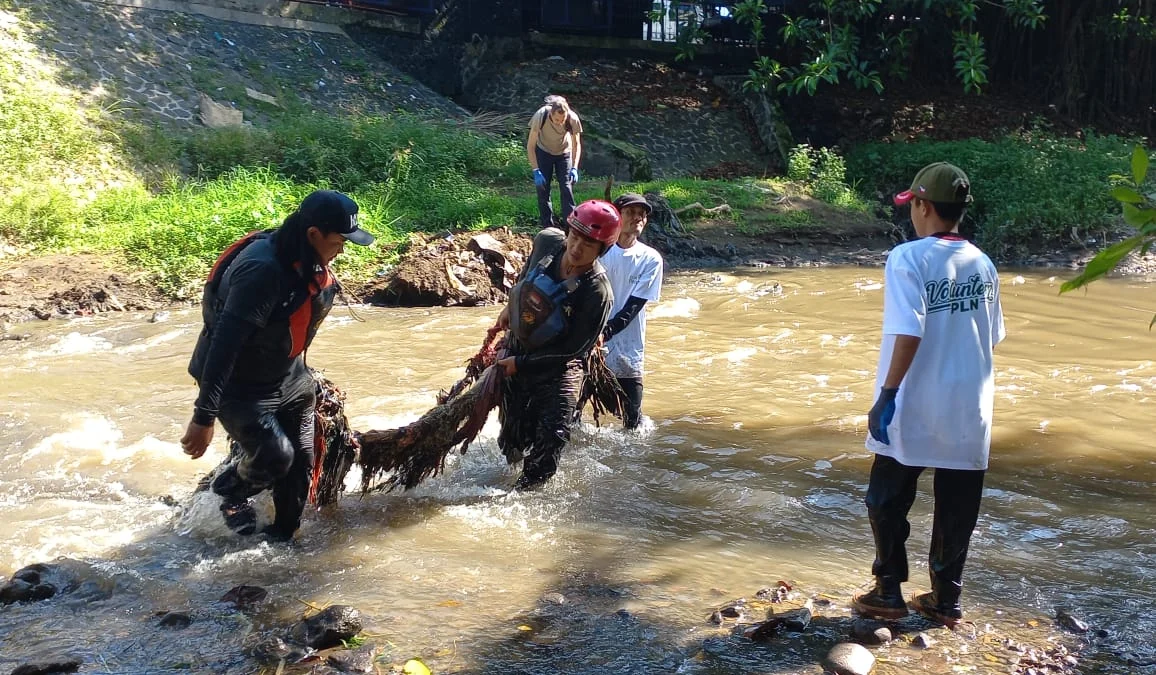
[
  {"x": 210, "y": 299},
  {"x": 538, "y": 311},
  {"x": 289, "y": 329}
]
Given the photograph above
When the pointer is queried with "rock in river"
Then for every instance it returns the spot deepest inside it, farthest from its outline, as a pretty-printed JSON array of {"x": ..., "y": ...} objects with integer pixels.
[
  {"x": 328, "y": 628},
  {"x": 848, "y": 658}
]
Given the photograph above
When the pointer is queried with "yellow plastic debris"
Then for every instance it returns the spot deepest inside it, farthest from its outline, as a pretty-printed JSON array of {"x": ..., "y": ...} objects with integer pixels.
[
  {"x": 524, "y": 627},
  {"x": 415, "y": 667}
]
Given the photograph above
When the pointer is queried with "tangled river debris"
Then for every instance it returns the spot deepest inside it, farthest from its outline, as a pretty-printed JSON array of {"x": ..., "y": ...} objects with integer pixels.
[
  {"x": 417, "y": 451},
  {"x": 600, "y": 389}
]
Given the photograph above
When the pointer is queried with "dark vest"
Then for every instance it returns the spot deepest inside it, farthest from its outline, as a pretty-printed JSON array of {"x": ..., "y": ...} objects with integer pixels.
[{"x": 266, "y": 357}]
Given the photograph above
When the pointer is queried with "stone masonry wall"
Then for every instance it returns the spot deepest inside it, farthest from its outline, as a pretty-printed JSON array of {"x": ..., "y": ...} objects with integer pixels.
[
  {"x": 685, "y": 124},
  {"x": 152, "y": 65}
]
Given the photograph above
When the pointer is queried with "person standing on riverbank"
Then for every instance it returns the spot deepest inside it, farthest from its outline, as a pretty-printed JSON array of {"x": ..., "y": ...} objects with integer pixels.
[
  {"x": 635, "y": 273},
  {"x": 556, "y": 312},
  {"x": 262, "y": 304},
  {"x": 941, "y": 322},
  {"x": 554, "y": 148}
]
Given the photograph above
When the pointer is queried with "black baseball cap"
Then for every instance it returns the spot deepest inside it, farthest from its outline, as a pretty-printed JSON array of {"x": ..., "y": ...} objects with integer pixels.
[
  {"x": 332, "y": 211},
  {"x": 633, "y": 199}
]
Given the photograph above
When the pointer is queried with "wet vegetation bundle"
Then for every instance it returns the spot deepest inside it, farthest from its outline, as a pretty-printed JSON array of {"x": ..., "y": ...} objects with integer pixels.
[
  {"x": 417, "y": 451},
  {"x": 600, "y": 388},
  {"x": 335, "y": 445}
]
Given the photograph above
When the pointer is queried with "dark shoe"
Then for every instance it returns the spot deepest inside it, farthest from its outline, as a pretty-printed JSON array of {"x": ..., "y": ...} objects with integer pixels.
[
  {"x": 885, "y": 601},
  {"x": 526, "y": 483},
  {"x": 927, "y": 606},
  {"x": 277, "y": 534},
  {"x": 240, "y": 517}
]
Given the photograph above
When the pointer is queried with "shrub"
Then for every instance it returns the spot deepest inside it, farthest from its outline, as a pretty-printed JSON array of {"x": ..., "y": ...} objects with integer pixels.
[{"x": 1030, "y": 190}]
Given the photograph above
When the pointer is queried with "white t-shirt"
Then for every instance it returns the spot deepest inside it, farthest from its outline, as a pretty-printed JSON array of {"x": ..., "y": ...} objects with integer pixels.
[
  {"x": 947, "y": 293},
  {"x": 634, "y": 271}
]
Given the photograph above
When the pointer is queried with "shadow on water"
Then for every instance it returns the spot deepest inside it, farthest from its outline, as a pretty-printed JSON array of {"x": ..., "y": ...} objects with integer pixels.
[{"x": 595, "y": 612}]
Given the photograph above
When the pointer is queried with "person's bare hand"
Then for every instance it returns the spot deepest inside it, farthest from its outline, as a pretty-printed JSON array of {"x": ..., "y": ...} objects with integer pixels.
[
  {"x": 504, "y": 318},
  {"x": 196, "y": 439},
  {"x": 509, "y": 365}
]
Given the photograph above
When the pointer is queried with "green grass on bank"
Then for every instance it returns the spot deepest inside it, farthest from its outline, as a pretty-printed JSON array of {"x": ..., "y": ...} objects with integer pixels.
[
  {"x": 76, "y": 176},
  {"x": 1031, "y": 190}
]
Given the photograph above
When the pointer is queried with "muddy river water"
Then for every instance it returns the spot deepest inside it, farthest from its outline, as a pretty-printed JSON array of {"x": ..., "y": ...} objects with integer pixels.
[{"x": 749, "y": 470}]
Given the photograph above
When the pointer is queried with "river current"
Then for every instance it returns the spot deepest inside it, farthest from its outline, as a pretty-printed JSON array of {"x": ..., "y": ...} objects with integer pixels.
[{"x": 750, "y": 469}]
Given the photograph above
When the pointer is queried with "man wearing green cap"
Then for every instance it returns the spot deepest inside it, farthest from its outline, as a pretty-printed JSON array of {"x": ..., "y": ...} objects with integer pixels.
[{"x": 941, "y": 321}]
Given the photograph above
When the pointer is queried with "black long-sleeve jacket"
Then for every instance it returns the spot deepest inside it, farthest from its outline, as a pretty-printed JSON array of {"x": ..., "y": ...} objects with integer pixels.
[{"x": 260, "y": 316}]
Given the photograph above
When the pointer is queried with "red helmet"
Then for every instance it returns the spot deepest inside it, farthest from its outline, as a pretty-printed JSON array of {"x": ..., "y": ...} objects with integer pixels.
[{"x": 598, "y": 220}]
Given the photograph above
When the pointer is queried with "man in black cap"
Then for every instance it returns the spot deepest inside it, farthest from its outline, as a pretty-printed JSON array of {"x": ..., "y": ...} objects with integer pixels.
[
  {"x": 635, "y": 273},
  {"x": 262, "y": 304}
]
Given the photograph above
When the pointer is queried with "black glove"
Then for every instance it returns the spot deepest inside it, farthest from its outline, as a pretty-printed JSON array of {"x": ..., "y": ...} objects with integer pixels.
[{"x": 881, "y": 414}]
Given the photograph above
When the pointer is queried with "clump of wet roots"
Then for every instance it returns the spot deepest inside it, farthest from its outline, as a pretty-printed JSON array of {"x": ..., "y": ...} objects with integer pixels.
[
  {"x": 335, "y": 445},
  {"x": 415, "y": 452},
  {"x": 600, "y": 389}
]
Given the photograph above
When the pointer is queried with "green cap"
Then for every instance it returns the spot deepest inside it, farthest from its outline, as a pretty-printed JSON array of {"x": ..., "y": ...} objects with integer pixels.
[{"x": 940, "y": 182}]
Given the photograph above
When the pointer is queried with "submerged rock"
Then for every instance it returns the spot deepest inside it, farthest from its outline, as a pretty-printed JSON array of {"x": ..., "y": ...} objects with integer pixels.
[
  {"x": 174, "y": 620},
  {"x": 870, "y": 632},
  {"x": 848, "y": 658},
  {"x": 796, "y": 620},
  {"x": 29, "y": 584},
  {"x": 272, "y": 650},
  {"x": 245, "y": 596},
  {"x": 1070, "y": 622},
  {"x": 922, "y": 641},
  {"x": 70, "y": 665},
  {"x": 358, "y": 660},
  {"x": 327, "y": 628}
]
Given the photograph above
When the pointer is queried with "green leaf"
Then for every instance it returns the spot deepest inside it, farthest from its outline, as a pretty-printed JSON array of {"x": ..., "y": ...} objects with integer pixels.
[
  {"x": 1137, "y": 217},
  {"x": 1104, "y": 262},
  {"x": 1126, "y": 195},
  {"x": 1139, "y": 164}
]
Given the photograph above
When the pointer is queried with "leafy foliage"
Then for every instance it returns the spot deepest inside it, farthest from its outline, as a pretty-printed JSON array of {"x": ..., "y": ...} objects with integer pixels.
[
  {"x": 1030, "y": 189},
  {"x": 826, "y": 42},
  {"x": 824, "y": 173},
  {"x": 1138, "y": 202}
]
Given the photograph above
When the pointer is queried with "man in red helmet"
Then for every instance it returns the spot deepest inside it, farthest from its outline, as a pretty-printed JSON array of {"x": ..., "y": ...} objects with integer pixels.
[{"x": 556, "y": 312}]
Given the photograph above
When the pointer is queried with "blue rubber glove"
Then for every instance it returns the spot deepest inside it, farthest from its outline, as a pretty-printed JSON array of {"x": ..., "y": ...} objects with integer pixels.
[
  {"x": 539, "y": 178},
  {"x": 881, "y": 415},
  {"x": 573, "y": 175}
]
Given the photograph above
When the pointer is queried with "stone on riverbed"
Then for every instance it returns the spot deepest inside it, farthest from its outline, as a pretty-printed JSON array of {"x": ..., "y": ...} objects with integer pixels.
[
  {"x": 328, "y": 628},
  {"x": 1070, "y": 622},
  {"x": 31, "y": 583},
  {"x": 358, "y": 660},
  {"x": 271, "y": 650},
  {"x": 848, "y": 658},
  {"x": 870, "y": 632},
  {"x": 48, "y": 667}
]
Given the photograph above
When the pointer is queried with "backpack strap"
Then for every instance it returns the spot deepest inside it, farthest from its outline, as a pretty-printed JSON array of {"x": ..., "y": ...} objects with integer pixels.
[{"x": 544, "y": 111}]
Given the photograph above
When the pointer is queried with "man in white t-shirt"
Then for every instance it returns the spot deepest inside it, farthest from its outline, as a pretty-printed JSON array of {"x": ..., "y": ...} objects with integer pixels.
[
  {"x": 635, "y": 273},
  {"x": 941, "y": 321}
]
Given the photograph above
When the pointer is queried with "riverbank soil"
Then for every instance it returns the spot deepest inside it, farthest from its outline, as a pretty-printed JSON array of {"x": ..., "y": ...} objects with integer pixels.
[{"x": 70, "y": 285}]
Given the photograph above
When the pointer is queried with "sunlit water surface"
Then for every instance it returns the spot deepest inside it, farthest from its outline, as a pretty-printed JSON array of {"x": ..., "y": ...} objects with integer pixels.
[{"x": 750, "y": 470}]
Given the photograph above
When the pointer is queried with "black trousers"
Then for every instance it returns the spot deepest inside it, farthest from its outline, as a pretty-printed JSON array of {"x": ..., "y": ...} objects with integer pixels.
[
  {"x": 889, "y": 498},
  {"x": 632, "y": 387},
  {"x": 274, "y": 435},
  {"x": 554, "y": 166},
  {"x": 536, "y": 416}
]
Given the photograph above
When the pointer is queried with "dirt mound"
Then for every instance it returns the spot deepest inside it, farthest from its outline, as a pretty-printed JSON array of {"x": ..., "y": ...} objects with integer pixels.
[
  {"x": 69, "y": 285},
  {"x": 463, "y": 269}
]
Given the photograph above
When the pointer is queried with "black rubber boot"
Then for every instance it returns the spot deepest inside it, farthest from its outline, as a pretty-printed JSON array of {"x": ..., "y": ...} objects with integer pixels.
[
  {"x": 934, "y": 608},
  {"x": 885, "y": 601}
]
